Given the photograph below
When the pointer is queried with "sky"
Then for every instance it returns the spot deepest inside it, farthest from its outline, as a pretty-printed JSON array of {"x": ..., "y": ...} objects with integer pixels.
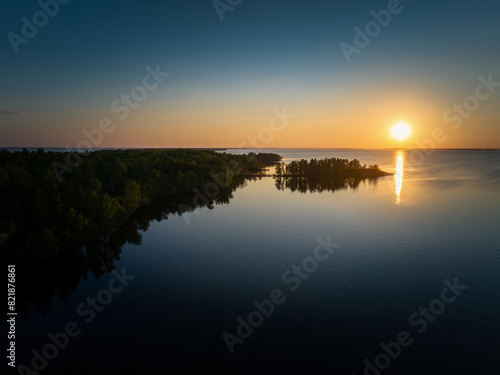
[{"x": 241, "y": 73}]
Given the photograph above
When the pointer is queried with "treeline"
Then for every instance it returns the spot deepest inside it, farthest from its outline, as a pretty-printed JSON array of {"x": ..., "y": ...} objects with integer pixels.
[
  {"x": 266, "y": 159},
  {"x": 327, "y": 167},
  {"x": 42, "y": 214}
]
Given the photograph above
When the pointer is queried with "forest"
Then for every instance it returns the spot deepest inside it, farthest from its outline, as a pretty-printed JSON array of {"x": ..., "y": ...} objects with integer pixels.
[
  {"x": 44, "y": 212},
  {"x": 328, "y": 167}
]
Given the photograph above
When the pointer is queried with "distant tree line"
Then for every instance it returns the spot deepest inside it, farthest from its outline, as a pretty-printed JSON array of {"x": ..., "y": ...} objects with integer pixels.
[
  {"x": 265, "y": 159},
  {"x": 327, "y": 167},
  {"x": 43, "y": 215}
]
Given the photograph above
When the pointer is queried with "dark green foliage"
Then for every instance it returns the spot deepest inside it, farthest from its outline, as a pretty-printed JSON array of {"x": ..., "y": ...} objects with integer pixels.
[
  {"x": 328, "y": 167},
  {"x": 42, "y": 213},
  {"x": 267, "y": 158}
]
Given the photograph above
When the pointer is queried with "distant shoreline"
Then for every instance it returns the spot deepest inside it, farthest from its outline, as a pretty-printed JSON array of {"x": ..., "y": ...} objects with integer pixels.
[
  {"x": 367, "y": 173},
  {"x": 64, "y": 149}
]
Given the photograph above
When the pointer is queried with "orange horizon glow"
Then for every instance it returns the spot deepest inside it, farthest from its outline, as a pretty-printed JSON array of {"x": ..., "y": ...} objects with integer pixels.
[{"x": 347, "y": 121}]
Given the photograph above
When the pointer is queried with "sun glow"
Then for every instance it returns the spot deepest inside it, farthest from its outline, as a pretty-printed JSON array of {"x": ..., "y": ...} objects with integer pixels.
[{"x": 401, "y": 131}]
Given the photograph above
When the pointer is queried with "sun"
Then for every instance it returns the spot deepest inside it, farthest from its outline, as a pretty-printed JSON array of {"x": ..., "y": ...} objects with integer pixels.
[{"x": 401, "y": 131}]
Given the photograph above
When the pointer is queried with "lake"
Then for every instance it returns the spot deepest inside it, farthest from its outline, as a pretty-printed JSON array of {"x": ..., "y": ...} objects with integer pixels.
[{"x": 397, "y": 275}]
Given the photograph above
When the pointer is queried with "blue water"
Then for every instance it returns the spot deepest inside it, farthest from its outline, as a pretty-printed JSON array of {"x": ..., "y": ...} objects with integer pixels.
[{"x": 393, "y": 242}]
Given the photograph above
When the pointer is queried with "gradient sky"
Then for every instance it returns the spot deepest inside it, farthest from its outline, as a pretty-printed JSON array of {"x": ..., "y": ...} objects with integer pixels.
[{"x": 228, "y": 77}]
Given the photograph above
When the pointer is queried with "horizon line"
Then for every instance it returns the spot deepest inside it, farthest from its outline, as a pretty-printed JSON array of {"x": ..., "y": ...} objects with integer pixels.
[{"x": 253, "y": 148}]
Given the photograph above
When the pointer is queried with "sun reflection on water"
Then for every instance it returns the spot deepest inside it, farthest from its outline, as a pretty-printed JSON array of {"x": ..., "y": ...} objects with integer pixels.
[{"x": 398, "y": 178}]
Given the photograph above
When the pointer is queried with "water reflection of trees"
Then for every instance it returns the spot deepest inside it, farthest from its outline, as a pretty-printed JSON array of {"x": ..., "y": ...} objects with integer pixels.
[
  {"x": 37, "y": 284},
  {"x": 321, "y": 184}
]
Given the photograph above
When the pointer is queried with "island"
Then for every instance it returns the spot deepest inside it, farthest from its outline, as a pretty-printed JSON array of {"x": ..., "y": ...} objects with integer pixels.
[{"x": 328, "y": 167}]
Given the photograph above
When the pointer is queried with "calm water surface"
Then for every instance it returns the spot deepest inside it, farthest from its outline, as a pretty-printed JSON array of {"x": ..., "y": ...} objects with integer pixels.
[{"x": 399, "y": 238}]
